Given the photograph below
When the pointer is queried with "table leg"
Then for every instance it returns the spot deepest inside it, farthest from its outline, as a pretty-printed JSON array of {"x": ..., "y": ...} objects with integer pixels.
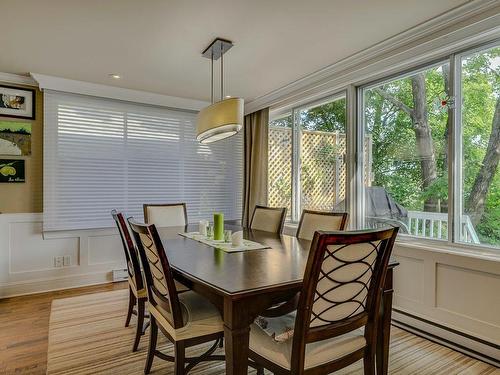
[
  {"x": 384, "y": 326},
  {"x": 236, "y": 335}
]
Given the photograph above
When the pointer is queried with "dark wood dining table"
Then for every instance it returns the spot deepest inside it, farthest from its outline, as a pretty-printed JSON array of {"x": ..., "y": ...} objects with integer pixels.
[{"x": 243, "y": 284}]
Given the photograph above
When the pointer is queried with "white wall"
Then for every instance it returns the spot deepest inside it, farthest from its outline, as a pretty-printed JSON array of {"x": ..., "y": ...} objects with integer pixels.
[{"x": 27, "y": 258}]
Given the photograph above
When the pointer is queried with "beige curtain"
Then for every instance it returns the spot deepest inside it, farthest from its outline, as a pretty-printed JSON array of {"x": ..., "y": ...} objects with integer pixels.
[{"x": 255, "y": 135}]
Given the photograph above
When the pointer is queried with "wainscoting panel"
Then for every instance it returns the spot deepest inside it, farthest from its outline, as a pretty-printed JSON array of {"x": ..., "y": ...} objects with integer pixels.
[
  {"x": 28, "y": 253},
  {"x": 105, "y": 249},
  {"x": 27, "y": 256},
  {"x": 451, "y": 295}
]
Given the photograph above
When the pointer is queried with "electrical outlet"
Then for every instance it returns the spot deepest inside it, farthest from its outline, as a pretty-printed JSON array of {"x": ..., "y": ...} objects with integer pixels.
[
  {"x": 58, "y": 261},
  {"x": 67, "y": 260}
]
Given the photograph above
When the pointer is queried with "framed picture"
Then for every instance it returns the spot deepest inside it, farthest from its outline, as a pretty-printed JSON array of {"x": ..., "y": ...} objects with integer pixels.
[
  {"x": 17, "y": 102},
  {"x": 12, "y": 170},
  {"x": 15, "y": 138}
]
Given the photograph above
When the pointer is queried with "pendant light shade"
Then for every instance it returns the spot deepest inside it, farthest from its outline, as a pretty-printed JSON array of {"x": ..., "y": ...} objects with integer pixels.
[
  {"x": 220, "y": 120},
  {"x": 224, "y": 118}
]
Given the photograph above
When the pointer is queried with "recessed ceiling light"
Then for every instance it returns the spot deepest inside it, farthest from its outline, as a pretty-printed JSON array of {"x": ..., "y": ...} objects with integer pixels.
[
  {"x": 227, "y": 96},
  {"x": 115, "y": 76}
]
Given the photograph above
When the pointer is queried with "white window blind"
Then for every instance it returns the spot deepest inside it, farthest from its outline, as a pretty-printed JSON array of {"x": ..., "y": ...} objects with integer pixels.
[{"x": 101, "y": 154}]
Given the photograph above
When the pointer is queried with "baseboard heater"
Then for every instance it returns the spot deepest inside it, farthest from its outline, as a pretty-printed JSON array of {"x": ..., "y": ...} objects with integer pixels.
[
  {"x": 120, "y": 275},
  {"x": 461, "y": 342}
]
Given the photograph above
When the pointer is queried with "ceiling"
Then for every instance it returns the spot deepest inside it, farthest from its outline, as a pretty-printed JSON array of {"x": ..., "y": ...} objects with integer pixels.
[{"x": 156, "y": 45}]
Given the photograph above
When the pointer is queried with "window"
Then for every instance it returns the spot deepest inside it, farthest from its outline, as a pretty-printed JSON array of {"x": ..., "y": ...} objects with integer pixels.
[
  {"x": 479, "y": 190},
  {"x": 102, "y": 154},
  {"x": 406, "y": 172},
  {"x": 307, "y": 158}
]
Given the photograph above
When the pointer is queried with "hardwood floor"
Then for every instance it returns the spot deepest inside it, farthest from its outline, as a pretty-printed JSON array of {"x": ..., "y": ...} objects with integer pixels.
[{"x": 24, "y": 328}]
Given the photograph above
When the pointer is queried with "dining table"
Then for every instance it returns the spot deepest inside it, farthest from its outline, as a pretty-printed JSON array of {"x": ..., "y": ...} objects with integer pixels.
[{"x": 244, "y": 284}]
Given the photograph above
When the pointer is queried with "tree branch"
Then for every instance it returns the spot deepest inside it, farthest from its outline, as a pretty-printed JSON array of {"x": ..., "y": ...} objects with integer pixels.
[{"x": 396, "y": 102}]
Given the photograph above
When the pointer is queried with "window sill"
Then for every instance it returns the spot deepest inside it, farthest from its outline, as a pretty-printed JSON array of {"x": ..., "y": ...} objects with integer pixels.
[{"x": 472, "y": 251}]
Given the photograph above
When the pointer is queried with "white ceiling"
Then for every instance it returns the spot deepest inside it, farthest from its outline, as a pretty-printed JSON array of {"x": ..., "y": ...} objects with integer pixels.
[{"x": 156, "y": 45}]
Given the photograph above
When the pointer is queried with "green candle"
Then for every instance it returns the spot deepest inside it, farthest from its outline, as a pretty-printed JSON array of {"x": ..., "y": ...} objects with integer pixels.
[{"x": 218, "y": 226}]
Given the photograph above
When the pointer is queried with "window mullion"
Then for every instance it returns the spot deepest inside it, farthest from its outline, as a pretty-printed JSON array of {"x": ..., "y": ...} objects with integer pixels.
[
  {"x": 295, "y": 165},
  {"x": 455, "y": 152}
]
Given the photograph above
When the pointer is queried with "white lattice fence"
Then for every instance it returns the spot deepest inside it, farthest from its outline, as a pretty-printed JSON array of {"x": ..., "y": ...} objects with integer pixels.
[
  {"x": 322, "y": 170},
  {"x": 280, "y": 167}
]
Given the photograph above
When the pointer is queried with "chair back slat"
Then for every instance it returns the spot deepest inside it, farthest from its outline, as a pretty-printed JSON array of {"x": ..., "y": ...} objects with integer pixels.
[
  {"x": 160, "y": 285},
  {"x": 269, "y": 219},
  {"x": 131, "y": 255},
  {"x": 312, "y": 221},
  {"x": 342, "y": 286}
]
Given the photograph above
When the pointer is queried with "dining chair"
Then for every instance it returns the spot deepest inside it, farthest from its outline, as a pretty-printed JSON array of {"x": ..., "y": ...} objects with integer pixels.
[
  {"x": 269, "y": 219},
  {"x": 137, "y": 290},
  {"x": 335, "y": 321},
  {"x": 311, "y": 221},
  {"x": 165, "y": 214},
  {"x": 186, "y": 319}
]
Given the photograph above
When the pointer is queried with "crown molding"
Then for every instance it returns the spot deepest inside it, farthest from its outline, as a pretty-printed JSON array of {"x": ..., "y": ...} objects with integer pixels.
[
  {"x": 46, "y": 82},
  {"x": 477, "y": 17},
  {"x": 17, "y": 79}
]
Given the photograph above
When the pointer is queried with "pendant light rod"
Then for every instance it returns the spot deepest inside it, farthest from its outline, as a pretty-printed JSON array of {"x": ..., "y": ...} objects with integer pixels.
[
  {"x": 221, "y": 74},
  {"x": 212, "y": 79}
]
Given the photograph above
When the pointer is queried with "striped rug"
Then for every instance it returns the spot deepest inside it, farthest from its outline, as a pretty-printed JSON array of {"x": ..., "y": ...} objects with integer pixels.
[{"x": 87, "y": 336}]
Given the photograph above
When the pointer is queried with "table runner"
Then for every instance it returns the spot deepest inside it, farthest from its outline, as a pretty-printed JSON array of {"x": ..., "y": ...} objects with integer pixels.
[{"x": 225, "y": 246}]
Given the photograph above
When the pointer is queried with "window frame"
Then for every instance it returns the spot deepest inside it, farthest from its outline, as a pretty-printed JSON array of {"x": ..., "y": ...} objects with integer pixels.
[{"x": 354, "y": 193}]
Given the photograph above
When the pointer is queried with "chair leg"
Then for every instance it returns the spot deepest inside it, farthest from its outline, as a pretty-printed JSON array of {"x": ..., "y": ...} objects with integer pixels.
[
  {"x": 260, "y": 371},
  {"x": 153, "y": 337},
  {"x": 369, "y": 362},
  {"x": 141, "y": 306},
  {"x": 131, "y": 304},
  {"x": 180, "y": 358}
]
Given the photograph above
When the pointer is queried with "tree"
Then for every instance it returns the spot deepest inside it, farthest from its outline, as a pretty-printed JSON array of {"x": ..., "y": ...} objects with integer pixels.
[
  {"x": 419, "y": 116},
  {"x": 476, "y": 202}
]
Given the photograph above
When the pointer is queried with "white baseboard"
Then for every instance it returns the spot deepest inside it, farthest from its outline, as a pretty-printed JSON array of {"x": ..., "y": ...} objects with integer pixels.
[
  {"x": 459, "y": 341},
  {"x": 14, "y": 289}
]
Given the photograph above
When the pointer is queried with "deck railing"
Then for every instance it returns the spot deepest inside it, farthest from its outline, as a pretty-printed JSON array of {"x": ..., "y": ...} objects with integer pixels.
[{"x": 427, "y": 225}]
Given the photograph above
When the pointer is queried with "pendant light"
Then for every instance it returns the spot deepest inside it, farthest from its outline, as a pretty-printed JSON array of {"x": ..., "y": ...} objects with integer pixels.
[{"x": 224, "y": 118}]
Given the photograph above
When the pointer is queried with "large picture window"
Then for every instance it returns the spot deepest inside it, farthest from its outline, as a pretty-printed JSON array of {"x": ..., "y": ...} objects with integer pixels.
[{"x": 426, "y": 147}]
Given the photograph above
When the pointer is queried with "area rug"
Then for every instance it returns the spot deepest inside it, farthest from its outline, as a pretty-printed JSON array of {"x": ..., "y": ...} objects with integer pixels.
[{"x": 87, "y": 336}]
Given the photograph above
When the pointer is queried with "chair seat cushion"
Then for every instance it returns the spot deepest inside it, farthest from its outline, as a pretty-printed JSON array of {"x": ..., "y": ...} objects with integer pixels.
[
  {"x": 317, "y": 353},
  {"x": 181, "y": 288},
  {"x": 199, "y": 315}
]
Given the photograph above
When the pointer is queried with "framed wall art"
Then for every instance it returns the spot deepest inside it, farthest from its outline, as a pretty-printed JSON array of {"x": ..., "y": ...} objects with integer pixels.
[
  {"x": 15, "y": 138},
  {"x": 12, "y": 170},
  {"x": 17, "y": 102}
]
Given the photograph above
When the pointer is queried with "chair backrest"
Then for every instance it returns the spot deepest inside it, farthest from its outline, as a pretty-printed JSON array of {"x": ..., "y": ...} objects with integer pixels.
[
  {"x": 269, "y": 219},
  {"x": 311, "y": 221},
  {"x": 342, "y": 287},
  {"x": 131, "y": 255},
  {"x": 166, "y": 214},
  {"x": 160, "y": 284}
]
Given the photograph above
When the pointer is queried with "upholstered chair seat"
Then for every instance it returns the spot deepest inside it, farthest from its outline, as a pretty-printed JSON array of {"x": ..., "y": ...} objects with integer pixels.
[
  {"x": 199, "y": 317},
  {"x": 316, "y": 353}
]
